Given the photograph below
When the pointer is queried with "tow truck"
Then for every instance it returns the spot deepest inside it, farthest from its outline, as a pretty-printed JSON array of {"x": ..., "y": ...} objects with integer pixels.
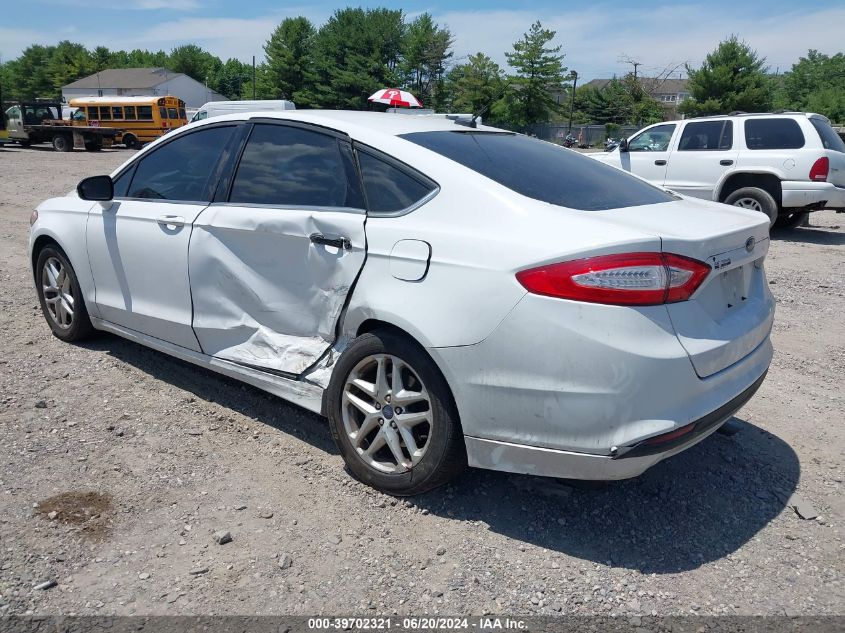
[{"x": 42, "y": 122}]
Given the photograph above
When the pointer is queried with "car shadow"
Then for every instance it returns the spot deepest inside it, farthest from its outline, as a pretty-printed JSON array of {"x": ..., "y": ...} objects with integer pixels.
[
  {"x": 689, "y": 510},
  {"x": 811, "y": 235},
  {"x": 213, "y": 387},
  {"x": 694, "y": 508}
]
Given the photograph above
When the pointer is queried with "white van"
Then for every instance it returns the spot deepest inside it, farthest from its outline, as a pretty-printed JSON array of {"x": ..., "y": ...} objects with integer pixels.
[{"x": 217, "y": 108}]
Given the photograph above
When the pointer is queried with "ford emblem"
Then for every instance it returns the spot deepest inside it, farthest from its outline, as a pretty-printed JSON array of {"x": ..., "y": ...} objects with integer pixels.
[{"x": 749, "y": 244}]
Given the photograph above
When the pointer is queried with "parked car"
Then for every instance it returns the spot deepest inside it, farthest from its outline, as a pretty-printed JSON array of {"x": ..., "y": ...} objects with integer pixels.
[
  {"x": 219, "y": 108},
  {"x": 444, "y": 294},
  {"x": 784, "y": 165}
]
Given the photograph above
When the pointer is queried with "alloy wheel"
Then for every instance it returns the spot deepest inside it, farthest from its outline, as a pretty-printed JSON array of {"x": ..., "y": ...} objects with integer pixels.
[
  {"x": 387, "y": 413},
  {"x": 57, "y": 291},
  {"x": 749, "y": 203}
]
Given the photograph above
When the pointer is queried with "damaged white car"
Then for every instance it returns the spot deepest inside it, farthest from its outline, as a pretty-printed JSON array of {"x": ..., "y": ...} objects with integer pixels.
[{"x": 445, "y": 294}]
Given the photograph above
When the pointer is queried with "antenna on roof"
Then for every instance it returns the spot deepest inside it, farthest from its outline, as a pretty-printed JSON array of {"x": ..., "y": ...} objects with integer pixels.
[{"x": 472, "y": 122}]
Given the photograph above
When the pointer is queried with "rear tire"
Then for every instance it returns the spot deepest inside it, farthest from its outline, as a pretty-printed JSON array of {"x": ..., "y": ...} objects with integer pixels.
[
  {"x": 60, "y": 296},
  {"x": 130, "y": 141},
  {"x": 62, "y": 143},
  {"x": 755, "y": 199},
  {"x": 792, "y": 220},
  {"x": 409, "y": 412}
]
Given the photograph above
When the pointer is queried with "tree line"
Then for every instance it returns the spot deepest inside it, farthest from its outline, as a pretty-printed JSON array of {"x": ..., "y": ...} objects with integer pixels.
[{"x": 357, "y": 51}]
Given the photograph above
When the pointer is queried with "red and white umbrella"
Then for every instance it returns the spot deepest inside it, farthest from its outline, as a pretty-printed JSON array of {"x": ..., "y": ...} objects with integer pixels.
[{"x": 395, "y": 98}]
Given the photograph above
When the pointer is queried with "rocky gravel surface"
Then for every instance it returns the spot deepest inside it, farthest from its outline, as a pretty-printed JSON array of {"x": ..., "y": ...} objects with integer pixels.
[{"x": 132, "y": 483}]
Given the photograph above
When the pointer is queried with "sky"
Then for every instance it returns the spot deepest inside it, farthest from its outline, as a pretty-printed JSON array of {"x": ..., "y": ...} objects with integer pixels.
[{"x": 596, "y": 36}]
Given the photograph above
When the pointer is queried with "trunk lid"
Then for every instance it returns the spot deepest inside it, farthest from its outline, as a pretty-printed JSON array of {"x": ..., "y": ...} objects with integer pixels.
[{"x": 732, "y": 311}]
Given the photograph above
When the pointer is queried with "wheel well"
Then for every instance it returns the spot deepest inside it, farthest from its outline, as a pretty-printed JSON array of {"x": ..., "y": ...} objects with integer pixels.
[
  {"x": 40, "y": 242},
  {"x": 767, "y": 182},
  {"x": 371, "y": 325}
]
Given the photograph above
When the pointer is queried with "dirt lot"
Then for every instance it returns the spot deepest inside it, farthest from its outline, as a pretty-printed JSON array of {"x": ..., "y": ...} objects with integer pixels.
[{"x": 120, "y": 464}]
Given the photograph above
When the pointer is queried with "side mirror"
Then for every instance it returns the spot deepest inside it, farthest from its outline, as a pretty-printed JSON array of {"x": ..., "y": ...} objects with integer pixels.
[
  {"x": 623, "y": 145},
  {"x": 96, "y": 188}
]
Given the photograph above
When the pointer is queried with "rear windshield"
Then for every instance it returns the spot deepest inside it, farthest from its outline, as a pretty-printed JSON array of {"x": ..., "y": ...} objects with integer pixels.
[
  {"x": 830, "y": 139},
  {"x": 541, "y": 170}
]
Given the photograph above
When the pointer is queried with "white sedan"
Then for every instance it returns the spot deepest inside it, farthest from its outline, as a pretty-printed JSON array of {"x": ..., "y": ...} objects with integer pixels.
[{"x": 444, "y": 294}]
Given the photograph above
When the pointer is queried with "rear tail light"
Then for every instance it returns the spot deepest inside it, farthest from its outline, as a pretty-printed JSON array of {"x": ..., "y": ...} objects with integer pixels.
[
  {"x": 625, "y": 279},
  {"x": 820, "y": 169}
]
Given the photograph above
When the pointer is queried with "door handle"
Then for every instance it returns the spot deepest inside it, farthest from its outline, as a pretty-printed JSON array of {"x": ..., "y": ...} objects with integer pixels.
[
  {"x": 171, "y": 220},
  {"x": 343, "y": 243},
  {"x": 726, "y": 162},
  {"x": 660, "y": 162}
]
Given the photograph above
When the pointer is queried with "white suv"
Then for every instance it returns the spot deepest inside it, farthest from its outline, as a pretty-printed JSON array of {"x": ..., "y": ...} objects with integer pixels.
[{"x": 784, "y": 165}]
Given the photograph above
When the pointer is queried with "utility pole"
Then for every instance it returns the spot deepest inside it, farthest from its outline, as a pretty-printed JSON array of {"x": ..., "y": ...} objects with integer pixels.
[
  {"x": 626, "y": 59},
  {"x": 572, "y": 102},
  {"x": 253, "y": 77}
]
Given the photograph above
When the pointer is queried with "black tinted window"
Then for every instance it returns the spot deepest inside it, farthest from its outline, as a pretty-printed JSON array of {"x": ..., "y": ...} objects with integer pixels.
[
  {"x": 183, "y": 168},
  {"x": 389, "y": 188},
  {"x": 145, "y": 113},
  {"x": 707, "y": 135},
  {"x": 291, "y": 166},
  {"x": 121, "y": 183},
  {"x": 830, "y": 139},
  {"x": 541, "y": 170},
  {"x": 773, "y": 134}
]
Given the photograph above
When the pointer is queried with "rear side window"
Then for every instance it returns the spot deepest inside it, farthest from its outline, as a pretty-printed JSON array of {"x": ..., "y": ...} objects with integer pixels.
[
  {"x": 773, "y": 134},
  {"x": 117, "y": 112},
  {"x": 541, "y": 170},
  {"x": 389, "y": 188},
  {"x": 182, "y": 169},
  {"x": 130, "y": 112},
  {"x": 830, "y": 139},
  {"x": 145, "y": 113},
  {"x": 707, "y": 135},
  {"x": 291, "y": 166},
  {"x": 105, "y": 113}
]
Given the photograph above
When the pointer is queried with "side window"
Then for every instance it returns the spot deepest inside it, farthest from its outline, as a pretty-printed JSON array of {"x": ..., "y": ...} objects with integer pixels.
[
  {"x": 183, "y": 168},
  {"x": 93, "y": 113},
  {"x": 145, "y": 113},
  {"x": 105, "y": 113},
  {"x": 290, "y": 166},
  {"x": 390, "y": 189},
  {"x": 773, "y": 134},
  {"x": 129, "y": 111},
  {"x": 121, "y": 183},
  {"x": 79, "y": 115},
  {"x": 706, "y": 135},
  {"x": 654, "y": 139},
  {"x": 117, "y": 112}
]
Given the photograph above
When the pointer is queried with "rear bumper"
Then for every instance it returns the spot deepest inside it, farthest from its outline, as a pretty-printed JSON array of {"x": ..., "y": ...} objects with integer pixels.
[
  {"x": 799, "y": 194},
  {"x": 545, "y": 462}
]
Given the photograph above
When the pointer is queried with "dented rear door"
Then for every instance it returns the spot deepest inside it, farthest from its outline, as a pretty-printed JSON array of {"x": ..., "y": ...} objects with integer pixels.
[{"x": 272, "y": 263}]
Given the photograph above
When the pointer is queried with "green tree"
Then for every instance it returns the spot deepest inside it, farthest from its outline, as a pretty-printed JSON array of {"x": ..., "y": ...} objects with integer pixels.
[
  {"x": 732, "y": 77},
  {"x": 289, "y": 72},
  {"x": 539, "y": 73},
  {"x": 476, "y": 85},
  {"x": 68, "y": 62},
  {"x": 816, "y": 83},
  {"x": 29, "y": 74},
  {"x": 356, "y": 52},
  {"x": 425, "y": 51},
  {"x": 232, "y": 79},
  {"x": 193, "y": 61}
]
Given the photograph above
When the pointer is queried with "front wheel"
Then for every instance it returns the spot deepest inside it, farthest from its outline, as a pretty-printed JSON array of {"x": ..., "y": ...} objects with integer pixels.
[
  {"x": 60, "y": 296},
  {"x": 392, "y": 416},
  {"x": 755, "y": 199}
]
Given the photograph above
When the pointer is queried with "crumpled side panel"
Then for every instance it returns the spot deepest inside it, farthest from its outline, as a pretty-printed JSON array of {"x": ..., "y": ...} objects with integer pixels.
[{"x": 265, "y": 295}]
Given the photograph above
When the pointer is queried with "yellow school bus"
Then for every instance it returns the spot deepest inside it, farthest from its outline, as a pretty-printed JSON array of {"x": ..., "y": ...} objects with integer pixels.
[{"x": 142, "y": 119}]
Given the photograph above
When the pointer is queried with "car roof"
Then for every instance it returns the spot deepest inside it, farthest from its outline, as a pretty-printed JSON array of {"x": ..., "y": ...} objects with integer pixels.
[
  {"x": 809, "y": 115},
  {"x": 355, "y": 123}
]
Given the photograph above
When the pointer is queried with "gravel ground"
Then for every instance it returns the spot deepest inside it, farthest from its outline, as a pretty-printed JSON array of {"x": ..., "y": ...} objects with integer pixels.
[{"x": 122, "y": 469}]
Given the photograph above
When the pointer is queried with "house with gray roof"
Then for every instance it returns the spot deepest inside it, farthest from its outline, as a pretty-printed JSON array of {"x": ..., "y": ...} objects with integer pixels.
[{"x": 141, "y": 82}]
